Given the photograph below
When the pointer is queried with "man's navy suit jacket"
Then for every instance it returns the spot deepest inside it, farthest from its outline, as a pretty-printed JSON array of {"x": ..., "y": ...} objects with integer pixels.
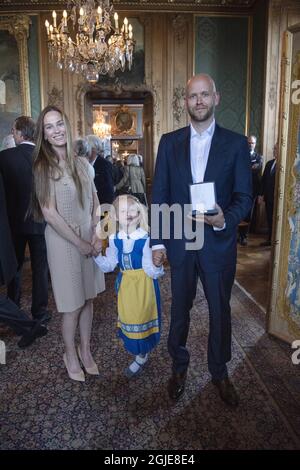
[
  {"x": 16, "y": 170},
  {"x": 229, "y": 167}
]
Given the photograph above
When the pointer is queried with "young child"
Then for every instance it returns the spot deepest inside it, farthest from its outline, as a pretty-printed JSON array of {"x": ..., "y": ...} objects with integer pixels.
[{"x": 139, "y": 315}]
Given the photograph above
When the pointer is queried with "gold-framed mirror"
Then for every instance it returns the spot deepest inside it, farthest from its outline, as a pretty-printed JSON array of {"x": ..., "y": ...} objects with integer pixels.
[{"x": 14, "y": 73}]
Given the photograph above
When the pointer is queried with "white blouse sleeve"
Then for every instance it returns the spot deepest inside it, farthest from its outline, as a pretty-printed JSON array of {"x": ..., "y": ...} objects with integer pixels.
[
  {"x": 147, "y": 264},
  {"x": 108, "y": 262}
]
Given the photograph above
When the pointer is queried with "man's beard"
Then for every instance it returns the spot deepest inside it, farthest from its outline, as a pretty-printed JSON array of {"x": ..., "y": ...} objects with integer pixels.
[{"x": 204, "y": 117}]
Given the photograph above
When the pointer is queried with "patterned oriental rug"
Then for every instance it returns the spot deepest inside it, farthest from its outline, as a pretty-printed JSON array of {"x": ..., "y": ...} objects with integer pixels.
[{"x": 41, "y": 408}]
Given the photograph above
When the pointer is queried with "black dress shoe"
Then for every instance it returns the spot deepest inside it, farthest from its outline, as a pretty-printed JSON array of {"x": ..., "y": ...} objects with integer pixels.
[
  {"x": 36, "y": 332},
  {"x": 176, "y": 385},
  {"x": 227, "y": 392}
]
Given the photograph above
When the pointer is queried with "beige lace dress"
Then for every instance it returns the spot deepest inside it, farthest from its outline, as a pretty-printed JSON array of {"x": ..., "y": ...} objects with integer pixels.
[{"x": 74, "y": 277}]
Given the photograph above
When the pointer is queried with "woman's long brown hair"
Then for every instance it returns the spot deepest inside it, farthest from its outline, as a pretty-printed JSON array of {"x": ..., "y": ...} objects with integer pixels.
[{"x": 46, "y": 164}]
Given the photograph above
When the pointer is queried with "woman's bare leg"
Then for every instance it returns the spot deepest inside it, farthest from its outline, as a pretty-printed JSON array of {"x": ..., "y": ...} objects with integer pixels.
[
  {"x": 85, "y": 328},
  {"x": 69, "y": 325}
]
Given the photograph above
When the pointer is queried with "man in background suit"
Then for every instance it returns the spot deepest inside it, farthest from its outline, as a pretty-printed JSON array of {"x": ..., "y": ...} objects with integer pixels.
[
  {"x": 104, "y": 180},
  {"x": 10, "y": 314},
  {"x": 256, "y": 166},
  {"x": 16, "y": 171},
  {"x": 267, "y": 192},
  {"x": 201, "y": 152}
]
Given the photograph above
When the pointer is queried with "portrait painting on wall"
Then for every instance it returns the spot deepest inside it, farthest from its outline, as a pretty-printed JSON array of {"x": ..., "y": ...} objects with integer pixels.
[
  {"x": 136, "y": 75},
  {"x": 10, "y": 92}
]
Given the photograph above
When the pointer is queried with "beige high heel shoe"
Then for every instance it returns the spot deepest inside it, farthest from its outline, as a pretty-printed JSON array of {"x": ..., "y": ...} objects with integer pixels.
[
  {"x": 90, "y": 370},
  {"x": 79, "y": 376}
]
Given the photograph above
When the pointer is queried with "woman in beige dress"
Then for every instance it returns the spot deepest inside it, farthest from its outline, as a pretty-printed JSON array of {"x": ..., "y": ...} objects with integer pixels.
[{"x": 65, "y": 195}]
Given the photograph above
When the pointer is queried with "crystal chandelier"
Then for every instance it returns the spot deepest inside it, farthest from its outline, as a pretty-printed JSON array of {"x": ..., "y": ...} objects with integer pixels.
[
  {"x": 92, "y": 44},
  {"x": 100, "y": 127}
]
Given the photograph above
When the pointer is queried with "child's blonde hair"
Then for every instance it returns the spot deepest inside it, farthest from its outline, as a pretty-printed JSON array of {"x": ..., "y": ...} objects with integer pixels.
[{"x": 110, "y": 223}]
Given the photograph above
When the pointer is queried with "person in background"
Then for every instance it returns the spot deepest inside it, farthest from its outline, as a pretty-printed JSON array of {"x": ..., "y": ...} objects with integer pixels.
[
  {"x": 16, "y": 170},
  {"x": 117, "y": 173},
  {"x": 140, "y": 157},
  {"x": 266, "y": 193},
  {"x": 256, "y": 166},
  {"x": 81, "y": 149},
  {"x": 10, "y": 314},
  {"x": 104, "y": 181},
  {"x": 133, "y": 179},
  {"x": 65, "y": 196}
]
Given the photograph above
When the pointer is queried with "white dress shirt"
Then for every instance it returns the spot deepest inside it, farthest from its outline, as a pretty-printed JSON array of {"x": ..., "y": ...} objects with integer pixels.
[
  {"x": 200, "y": 147},
  {"x": 199, "y": 151},
  {"x": 27, "y": 142},
  {"x": 108, "y": 262}
]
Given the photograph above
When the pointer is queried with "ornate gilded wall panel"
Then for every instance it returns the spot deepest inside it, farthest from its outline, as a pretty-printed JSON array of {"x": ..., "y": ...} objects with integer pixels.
[
  {"x": 282, "y": 14},
  {"x": 284, "y": 306},
  {"x": 14, "y": 76},
  {"x": 142, "y": 5}
]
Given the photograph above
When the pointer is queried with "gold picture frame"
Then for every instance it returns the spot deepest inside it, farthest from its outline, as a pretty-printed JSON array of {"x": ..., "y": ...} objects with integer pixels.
[
  {"x": 283, "y": 314},
  {"x": 124, "y": 123},
  {"x": 14, "y": 51}
]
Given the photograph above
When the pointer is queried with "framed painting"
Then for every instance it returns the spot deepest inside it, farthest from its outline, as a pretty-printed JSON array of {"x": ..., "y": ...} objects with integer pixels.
[
  {"x": 126, "y": 122},
  {"x": 14, "y": 77},
  {"x": 283, "y": 314}
]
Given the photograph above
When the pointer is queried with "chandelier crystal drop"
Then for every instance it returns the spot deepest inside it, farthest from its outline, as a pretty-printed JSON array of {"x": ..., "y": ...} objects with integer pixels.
[
  {"x": 89, "y": 41},
  {"x": 100, "y": 127}
]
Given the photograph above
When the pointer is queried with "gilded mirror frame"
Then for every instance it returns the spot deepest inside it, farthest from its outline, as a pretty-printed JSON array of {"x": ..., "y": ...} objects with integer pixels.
[{"x": 18, "y": 26}]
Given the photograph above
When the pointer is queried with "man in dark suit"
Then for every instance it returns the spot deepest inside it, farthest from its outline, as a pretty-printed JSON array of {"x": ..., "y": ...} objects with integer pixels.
[
  {"x": 256, "y": 166},
  {"x": 16, "y": 170},
  {"x": 104, "y": 180},
  {"x": 266, "y": 193},
  {"x": 10, "y": 314},
  {"x": 200, "y": 152}
]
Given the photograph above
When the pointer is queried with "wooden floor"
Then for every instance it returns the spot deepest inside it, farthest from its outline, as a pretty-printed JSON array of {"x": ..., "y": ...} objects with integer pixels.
[{"x": 253, "y": 269}]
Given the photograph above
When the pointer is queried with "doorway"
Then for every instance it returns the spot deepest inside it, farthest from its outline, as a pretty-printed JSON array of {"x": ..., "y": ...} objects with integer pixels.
[{"x": 130, "y": 114}]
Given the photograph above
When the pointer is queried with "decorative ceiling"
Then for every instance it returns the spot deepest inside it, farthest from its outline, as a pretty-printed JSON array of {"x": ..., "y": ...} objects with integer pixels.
[{"x": 166, "y": 5}]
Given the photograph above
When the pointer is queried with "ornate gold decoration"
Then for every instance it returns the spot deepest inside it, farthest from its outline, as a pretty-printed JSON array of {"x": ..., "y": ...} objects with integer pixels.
[
  {"x": 157, "y": 4},
  {"x": 178, "y": 103},
  {"x": 272, "y": 96},
  {"x": 279, "y": 320},
  {"x": 124, "y": 122},
  {"x": 55, "y": 97},
  {"x": 179, "y": 24},
  {"x": 18, "y": 26}
]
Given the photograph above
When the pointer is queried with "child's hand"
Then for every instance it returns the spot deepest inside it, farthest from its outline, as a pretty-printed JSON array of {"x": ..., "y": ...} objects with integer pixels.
[{"x": 158, "y": 257}]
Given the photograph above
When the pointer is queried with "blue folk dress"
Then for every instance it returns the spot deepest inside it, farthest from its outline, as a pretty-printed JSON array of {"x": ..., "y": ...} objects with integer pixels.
[{"x": 139, "y": 313}]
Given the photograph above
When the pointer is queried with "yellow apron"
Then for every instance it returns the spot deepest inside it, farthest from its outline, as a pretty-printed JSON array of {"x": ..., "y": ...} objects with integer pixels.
[{"x": 137, "y": 307}]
